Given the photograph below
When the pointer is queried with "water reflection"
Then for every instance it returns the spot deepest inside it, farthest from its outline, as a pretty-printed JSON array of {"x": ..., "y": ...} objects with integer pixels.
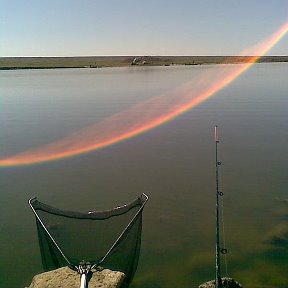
[{"x": 174, "y": 164}]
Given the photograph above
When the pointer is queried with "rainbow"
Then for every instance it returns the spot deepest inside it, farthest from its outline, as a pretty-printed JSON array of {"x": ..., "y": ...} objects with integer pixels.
[{"x": 145, "y": 115}]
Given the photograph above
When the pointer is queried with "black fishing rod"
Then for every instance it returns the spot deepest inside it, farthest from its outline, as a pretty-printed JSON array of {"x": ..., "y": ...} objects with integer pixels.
[{"x": 218, "y": 281}]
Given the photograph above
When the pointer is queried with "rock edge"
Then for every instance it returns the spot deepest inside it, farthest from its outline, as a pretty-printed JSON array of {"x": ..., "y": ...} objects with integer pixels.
[
  {"x": 67, "y": 278},
  {"x": 226, "y": 283}
]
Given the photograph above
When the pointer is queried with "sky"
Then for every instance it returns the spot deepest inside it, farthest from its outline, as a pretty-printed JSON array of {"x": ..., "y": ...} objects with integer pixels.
[{"x": 132, "y": 27}]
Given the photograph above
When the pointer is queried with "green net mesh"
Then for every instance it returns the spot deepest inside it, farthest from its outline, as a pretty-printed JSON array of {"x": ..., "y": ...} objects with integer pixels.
[{"x": 107, "y": 239}]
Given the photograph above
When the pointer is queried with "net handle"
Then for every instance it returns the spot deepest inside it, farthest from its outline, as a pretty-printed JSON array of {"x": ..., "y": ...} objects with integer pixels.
[
  {"x": 84, "y": 270},
  {"x": 83, "y": 281}
]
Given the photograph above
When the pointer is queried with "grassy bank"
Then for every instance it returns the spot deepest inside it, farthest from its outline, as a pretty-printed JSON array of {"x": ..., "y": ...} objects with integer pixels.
[{"x": 122, "y": 61}]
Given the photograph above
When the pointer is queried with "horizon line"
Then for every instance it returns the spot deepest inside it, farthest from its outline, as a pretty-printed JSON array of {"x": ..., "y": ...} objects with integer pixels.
[{"x": 145, "y": 55}]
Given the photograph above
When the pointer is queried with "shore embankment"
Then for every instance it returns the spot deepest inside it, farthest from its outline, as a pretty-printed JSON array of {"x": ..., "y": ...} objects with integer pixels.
[{"x": 9, "y": 63}]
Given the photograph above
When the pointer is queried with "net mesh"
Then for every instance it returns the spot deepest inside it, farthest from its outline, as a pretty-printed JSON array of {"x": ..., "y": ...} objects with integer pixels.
[{"x": 107, "y": 239}]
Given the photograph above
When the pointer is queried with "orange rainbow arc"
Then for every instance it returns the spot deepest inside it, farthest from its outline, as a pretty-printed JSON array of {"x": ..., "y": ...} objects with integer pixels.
[{"x": 145, "y": 115}]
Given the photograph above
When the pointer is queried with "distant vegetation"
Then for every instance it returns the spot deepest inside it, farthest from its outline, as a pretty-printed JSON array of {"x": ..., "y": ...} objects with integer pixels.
[{"x": 122, "y": 61}]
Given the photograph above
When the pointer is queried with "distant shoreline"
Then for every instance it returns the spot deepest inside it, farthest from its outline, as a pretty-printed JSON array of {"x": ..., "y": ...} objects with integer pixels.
[{"x": 12, "y": 63}]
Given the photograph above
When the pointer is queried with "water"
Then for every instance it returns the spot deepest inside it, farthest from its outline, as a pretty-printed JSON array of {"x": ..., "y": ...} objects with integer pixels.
[{"x": 173, "y": 164}]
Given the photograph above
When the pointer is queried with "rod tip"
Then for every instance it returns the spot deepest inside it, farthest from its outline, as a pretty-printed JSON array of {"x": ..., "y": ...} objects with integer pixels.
[{"x": 216, "y": 134}]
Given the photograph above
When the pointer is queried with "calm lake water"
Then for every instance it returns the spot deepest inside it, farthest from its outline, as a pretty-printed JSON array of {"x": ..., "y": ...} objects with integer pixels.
[{"x": 173, "y": 164}]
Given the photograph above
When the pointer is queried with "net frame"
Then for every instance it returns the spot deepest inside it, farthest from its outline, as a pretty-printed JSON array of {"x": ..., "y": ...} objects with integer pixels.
[{"x": 84, "y": 268}]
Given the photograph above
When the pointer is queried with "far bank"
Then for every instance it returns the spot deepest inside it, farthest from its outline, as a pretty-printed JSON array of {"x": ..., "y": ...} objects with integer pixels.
[{"x": 7, "y": 63}]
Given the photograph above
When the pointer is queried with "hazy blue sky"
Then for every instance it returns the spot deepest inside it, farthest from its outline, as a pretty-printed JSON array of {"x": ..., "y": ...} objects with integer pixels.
[{"x": 131, "y": 27}]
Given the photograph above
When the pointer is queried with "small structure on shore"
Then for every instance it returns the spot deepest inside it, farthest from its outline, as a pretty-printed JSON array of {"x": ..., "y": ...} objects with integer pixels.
[{"x": 140, "y": 60}]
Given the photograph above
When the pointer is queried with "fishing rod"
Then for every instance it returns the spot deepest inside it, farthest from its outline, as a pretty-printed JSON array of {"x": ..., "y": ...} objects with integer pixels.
[{"x": 218, "y": 281}]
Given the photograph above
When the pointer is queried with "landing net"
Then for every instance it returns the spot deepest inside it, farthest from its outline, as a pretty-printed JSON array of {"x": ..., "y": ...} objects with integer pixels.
[{"x": 101, "y": 239}]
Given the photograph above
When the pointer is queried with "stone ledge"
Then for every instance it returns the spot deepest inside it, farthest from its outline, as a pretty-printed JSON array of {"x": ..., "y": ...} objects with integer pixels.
[
  {"x": 66, "y": 278},
  {"x": 226, "y": 282}
]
